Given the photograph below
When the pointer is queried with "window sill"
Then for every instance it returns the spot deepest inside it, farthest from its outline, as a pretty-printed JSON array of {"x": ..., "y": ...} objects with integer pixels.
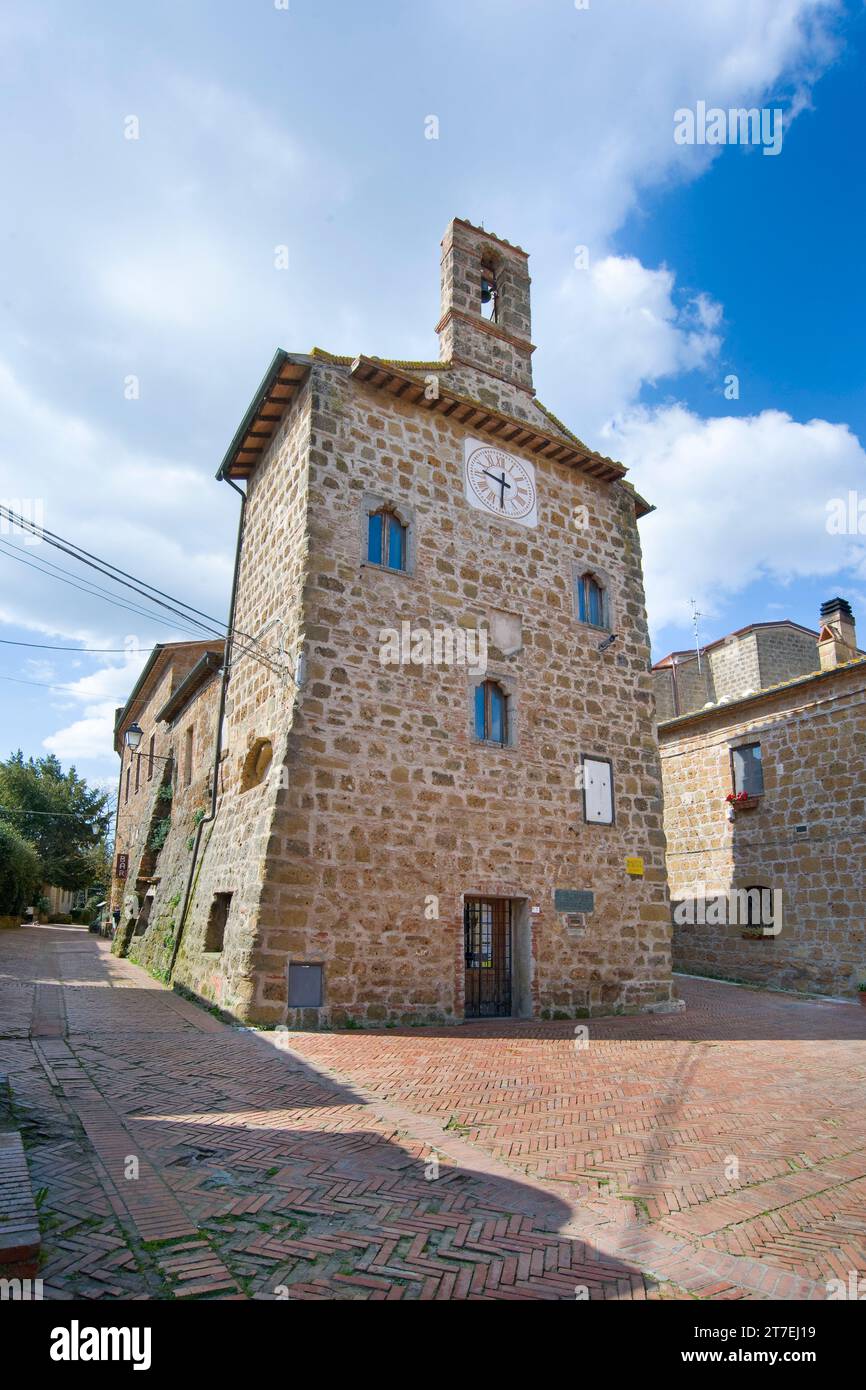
[
  {"x": 384, "y": 569},
  {"x": 492, "y": 743}
]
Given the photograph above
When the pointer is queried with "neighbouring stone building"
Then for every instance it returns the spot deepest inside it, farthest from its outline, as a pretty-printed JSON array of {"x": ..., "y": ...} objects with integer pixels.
[
  {"x": 439, "y": 790},
  {"x": 792, "y": 744},
  {"x": 165, "y": 782}
]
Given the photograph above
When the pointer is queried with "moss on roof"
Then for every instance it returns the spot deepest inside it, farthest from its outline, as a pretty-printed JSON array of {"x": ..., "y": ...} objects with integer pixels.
[{"x": 341, "y": 361}]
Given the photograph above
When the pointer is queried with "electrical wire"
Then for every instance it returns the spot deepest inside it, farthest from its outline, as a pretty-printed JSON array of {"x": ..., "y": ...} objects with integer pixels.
[
  {"x": 196, "y": 629},
  {"x": 46, "y": 685},
  {"x": 48, "y": 647}
]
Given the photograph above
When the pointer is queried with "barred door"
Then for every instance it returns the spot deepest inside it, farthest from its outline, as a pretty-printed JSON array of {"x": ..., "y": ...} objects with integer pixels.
[{"x": 487, "y": 952}]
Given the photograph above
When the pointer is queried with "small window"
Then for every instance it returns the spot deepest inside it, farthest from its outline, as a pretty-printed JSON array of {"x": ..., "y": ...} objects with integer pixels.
[
  {"x": 137, "y": 772},
  {"x": 591, "y": 601},
  {"x": 150, "y": 757},
  {"x": 216, "y": 922},
  {"x": 748, "y": 769},
  {"x": 386, "y": 540},
  {"x": 491, "y": 713},
  {"x": 187, "y": 756},
  {"x": 126, "y": 792},
  {"x": 305, "y": 986},
  {"x": 597, "y": 791},
  {"x": 760, "y": 906}
]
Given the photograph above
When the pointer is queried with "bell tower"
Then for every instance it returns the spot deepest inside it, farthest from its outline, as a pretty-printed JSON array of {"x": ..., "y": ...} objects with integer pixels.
[{"x": 485, "y": 323}]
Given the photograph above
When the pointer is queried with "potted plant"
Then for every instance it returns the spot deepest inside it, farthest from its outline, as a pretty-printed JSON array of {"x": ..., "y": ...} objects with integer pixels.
[
  {"x": 741, "y": 801},
  {"x": 862, "y": 991}
]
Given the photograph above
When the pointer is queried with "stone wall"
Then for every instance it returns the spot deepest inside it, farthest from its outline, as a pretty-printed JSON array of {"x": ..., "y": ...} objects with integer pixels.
[
  {"x": 805, "y": 837},
  {"x": 390, "y": 803},
  {"x": 240, "y": 850},
  {"x": 733, "y": 668},
  {"x": 785, "y": 653}
]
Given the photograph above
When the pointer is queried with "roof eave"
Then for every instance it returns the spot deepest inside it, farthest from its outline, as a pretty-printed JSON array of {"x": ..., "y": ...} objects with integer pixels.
[{"x": 200, "y": 675}]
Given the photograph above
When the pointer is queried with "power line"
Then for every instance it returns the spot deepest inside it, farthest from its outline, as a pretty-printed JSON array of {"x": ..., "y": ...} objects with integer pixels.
[
  {"x": 117, "y": 575},
  {"x": 198, "y": 632},
  {"x": 47, "y": 685},
  {"x": 93, "y": 590},
  {"x": 87, "y": 586},
  {"x": 48, "y": 647},
  {"x": 139, "y": 586}
]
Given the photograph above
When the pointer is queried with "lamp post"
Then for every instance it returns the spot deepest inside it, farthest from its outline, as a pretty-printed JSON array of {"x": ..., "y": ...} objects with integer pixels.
[{"x": 132, "y": 738}]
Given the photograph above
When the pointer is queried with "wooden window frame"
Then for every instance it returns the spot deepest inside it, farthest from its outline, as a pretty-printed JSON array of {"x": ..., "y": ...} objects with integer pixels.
[
  {"x": 590, "y": 576},
  {"x": 738, "y": 748},
  {"x": 390, "y": 520},
  {"x": 487, "y": 686}
]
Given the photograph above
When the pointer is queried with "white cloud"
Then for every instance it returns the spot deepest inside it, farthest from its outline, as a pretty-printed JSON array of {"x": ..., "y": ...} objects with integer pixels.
[
  {"x": 738, "y": 499},
  {"x": 100, "y": 694},
  {"x": 619, "y": 328},
  {"x": 145, "y": 513}
]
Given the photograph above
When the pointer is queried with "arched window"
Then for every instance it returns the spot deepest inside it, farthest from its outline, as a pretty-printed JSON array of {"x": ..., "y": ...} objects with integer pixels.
[
  {"x": 591, "y": 601},
  {"x": 386, "y": 539},
  {"x": 491, "y": 713}
]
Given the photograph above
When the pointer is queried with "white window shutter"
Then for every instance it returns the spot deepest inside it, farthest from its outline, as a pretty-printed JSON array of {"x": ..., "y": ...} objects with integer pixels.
[{"x": 597, "y": 792}]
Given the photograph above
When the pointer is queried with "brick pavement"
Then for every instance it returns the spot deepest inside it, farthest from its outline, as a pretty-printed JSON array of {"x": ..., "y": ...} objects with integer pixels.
[{"x": 175, "y": 1156}]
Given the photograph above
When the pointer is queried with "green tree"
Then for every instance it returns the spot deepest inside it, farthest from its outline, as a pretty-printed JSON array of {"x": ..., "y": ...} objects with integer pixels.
[
  {"x": 20, "y": 872},
  {"x": 64, "y": 820}
]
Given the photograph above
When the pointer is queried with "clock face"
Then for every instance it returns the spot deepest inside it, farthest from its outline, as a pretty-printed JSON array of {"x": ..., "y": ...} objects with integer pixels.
[{"x": 499, "y": 483}]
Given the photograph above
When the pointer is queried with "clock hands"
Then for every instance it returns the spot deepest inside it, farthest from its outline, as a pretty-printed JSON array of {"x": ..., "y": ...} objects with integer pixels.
[{"x": 502, "y": 484}]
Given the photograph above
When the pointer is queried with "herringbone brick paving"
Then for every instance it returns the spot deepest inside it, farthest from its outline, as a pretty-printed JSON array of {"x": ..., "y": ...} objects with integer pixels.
[{"x": 718, "y": 1154}]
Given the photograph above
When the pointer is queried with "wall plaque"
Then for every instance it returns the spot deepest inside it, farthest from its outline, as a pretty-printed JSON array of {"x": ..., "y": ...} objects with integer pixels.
[{"x": 573, "y": 900}]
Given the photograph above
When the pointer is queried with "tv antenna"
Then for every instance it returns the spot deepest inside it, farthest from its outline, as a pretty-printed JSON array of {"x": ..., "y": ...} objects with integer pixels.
[{"x": 696, "y": 614}]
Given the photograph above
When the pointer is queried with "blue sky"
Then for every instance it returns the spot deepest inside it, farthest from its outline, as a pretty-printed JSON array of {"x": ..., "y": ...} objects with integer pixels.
[{"x": 262, "y": 127}]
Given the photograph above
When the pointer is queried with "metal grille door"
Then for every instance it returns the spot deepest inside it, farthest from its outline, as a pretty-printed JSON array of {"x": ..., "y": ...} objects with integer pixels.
[{"x": 487, "y": 951}]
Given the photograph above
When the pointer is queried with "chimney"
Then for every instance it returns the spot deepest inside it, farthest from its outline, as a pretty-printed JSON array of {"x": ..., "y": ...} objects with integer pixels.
[{"x": 837, "y": 638}]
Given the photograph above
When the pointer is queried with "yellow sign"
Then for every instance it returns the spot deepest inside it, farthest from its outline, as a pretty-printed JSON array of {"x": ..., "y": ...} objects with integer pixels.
[{"x": 634, "y": 866}]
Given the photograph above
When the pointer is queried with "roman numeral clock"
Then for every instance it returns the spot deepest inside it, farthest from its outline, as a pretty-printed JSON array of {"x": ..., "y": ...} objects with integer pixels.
[{"x": 499, "y": 483}]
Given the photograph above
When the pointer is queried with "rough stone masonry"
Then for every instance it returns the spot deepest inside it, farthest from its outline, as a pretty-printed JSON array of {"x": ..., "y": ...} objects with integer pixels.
[{"x": 405, "y": 841}]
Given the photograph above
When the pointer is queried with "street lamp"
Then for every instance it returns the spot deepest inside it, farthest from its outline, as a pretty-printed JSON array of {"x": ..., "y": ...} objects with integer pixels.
[{"x": 132, "y": 738}]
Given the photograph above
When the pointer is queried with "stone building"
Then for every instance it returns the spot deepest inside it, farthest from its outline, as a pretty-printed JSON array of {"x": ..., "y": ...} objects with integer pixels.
[
  {"x": 164, "y": 781},
  {"x": 772, "y": 888},
  {"x": 439, "y": 789},
  {"x": 756, "y": 656}
]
